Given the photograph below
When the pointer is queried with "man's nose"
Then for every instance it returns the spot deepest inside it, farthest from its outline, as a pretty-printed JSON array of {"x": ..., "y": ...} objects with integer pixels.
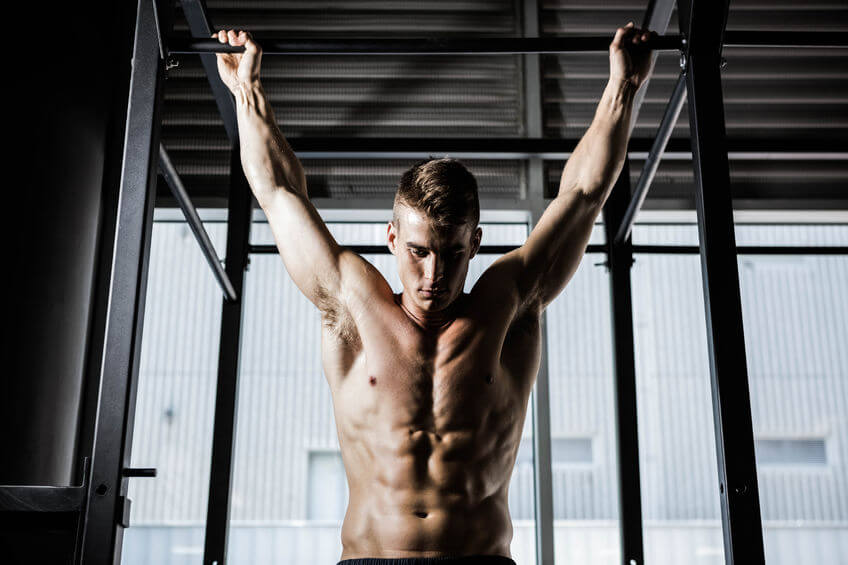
[{"x": 434, "y": 267}]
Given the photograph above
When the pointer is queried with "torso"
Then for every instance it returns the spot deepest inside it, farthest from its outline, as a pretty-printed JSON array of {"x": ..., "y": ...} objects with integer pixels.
[{"x": 429, "y": 424}]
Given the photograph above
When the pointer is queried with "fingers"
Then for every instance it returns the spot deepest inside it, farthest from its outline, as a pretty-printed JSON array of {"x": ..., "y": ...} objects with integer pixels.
[
  {"x": 235, "y": 38},
  {"x": 630, "y": 34}
]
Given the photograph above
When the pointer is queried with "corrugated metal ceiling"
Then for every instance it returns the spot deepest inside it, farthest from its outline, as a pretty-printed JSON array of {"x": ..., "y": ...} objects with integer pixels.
[{"x": 789, "y": 94}]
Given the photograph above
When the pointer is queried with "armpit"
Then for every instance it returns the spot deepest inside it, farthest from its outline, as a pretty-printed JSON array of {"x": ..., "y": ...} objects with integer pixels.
[{"x": 337, "y": 318}]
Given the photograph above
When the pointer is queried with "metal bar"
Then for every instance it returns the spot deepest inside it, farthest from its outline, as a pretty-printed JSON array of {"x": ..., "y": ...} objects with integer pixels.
[
  {"x": 657, "y": 17},
  {"x": 15, "y": 498},
  {"x": 201, "y": 28},
  {"x": 836, "y": 39},
  {"x": 533, "y": 194},
  {"x": 619, "y": 261},
  {"x": 549, "y": 148},
  {"x": 734, "y": 436},
  {"x": 107, "y": 489},
  {"x": 178, "y": 190},
  {"x": 417, "y": 45},
  {"x": 542, "y": 468},
  {"x": 743, "y": 250},
  {"x": 383, "y": 250},
  {"x": 226, "y": 396},
  {"x": 646, "y": 177},
  {"x": 598, "y": 248}
]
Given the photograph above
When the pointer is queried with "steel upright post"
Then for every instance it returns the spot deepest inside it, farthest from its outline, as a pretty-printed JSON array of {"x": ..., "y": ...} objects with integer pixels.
[
  {"x": 620, "y": 260},
  {"x": 734, "y": 437},
  {"x": 226, "y": 397},
  {"x": 108, "y": 508}
]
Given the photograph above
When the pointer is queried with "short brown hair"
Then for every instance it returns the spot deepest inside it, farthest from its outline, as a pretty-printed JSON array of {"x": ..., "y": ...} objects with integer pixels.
[{"x": 443, "y": 189}]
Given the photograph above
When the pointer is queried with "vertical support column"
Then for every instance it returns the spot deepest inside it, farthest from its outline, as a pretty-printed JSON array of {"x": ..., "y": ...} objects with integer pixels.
[
  {"x": 226, "y": 397},
  {"x": 620, "y": 260},
  {"x": 535, "y": 196},
  {"x": 108, "y": 507},
  {"x": 740, "y": 502}
]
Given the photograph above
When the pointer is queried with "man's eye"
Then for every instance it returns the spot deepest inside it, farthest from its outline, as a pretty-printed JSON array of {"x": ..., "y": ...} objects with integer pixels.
[{"x": 419, "y": 253}]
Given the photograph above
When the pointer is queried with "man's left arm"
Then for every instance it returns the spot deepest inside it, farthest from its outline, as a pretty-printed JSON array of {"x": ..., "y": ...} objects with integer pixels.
[{"x": 553, "y": 250}]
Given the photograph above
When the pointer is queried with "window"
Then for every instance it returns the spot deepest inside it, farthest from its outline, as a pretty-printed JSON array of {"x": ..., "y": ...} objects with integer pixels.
[
  {"x": 328, "y": 492},
  {"x": 791, "y": 452},
  {"x": 570, "y": 450},
  {"x": 175, "y": 406}
]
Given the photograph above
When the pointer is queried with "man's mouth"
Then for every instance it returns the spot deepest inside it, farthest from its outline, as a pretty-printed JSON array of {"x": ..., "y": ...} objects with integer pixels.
[{"x": 432, "y": 291}]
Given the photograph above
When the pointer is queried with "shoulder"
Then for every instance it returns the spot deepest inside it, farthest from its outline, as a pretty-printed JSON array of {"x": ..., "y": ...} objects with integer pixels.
[{"x": 497, "y": 292}]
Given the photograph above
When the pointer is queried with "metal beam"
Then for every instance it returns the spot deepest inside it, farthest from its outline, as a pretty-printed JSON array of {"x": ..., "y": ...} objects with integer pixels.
[
  {"x": 417, "y": 45},
  {"x": 619, "y": 262},
  {"x": 549, "y": 148},
  {"x": 178, "y": 190},
  {"x": 835, "y": 39},
  {"x": 672, "y": 112},
  {"x": 107, "y": 503},
  {"x": 745, "y": 250},
  {"x": 734, "y": 436},
  {"x": 201, "y": 28},
  {"x": 226, "y": 396}
]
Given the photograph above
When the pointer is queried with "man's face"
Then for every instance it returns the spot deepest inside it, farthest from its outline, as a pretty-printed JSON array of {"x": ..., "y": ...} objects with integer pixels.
[{"x": 429, "y": 259}]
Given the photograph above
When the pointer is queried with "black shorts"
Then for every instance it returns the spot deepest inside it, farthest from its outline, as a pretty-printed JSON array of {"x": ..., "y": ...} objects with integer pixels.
[{"x": 446, "y": 560}]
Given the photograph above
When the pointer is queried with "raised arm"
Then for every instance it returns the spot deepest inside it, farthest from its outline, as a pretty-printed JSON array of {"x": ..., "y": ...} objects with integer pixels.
[
  {"x": 321, "y": 269},
  {"x": 546, "y": 262}
]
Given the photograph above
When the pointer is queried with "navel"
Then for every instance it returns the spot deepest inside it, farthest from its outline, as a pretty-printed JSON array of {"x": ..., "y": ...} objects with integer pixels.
[
  {"x": 373, "y": 380},
  {"x": 421, "y": 514}
]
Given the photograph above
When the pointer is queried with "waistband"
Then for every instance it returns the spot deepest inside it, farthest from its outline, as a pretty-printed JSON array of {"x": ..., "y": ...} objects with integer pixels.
[{"x": 442, "y": 560}]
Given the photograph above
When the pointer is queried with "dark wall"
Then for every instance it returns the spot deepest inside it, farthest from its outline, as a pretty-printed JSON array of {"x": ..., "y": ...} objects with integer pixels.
[{"x": 66, "y": 79}]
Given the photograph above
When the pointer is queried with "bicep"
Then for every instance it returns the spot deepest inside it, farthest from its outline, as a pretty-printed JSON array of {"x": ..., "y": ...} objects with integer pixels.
[
  {"x": 328, "y": 274},
  {"x": 554, "y": 248}
]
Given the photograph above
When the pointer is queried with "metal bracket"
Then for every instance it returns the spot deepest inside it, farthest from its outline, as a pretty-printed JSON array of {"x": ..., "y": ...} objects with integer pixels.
[{"x": 123, "y": 511}]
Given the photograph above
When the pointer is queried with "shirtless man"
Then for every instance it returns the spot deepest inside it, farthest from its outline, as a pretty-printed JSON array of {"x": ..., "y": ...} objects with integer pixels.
[{"x": 430, "y": 386}]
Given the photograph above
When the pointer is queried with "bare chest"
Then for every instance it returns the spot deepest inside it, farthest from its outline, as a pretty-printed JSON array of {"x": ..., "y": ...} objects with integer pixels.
[{"x": 450, "y": 381}]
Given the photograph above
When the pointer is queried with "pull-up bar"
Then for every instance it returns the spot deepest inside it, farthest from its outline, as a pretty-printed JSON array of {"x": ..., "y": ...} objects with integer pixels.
[
  {"x": 420, "y": 45},
  {"x": 495, "y": 45}
]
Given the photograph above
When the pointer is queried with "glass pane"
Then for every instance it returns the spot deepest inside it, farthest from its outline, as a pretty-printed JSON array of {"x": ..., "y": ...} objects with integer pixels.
[
  {"x": 791, "y": 452},
  {"x": 679, "y": 475},
  {"x": 582, "y": 398},
  {"x": 791, "y": 234},
  {"x": 746, "y": 234},
  {"x": 795, "y": 316},
  {"x": 279, "y": 513},
  {"x": 176, "y": 399},
  {"x": 665, "y": 234}
]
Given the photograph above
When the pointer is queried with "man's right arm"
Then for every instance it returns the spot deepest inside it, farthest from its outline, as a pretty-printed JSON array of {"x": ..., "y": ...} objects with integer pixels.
[{"x": 317, "y": 264}]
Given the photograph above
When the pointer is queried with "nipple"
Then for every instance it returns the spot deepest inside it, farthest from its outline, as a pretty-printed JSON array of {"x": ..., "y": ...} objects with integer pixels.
[
  {"x": 372, "y": 380},
  {"x": 490, "y": 379}
]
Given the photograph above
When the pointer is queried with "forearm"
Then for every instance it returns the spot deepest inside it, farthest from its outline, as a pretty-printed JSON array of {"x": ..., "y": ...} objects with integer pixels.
[
  {"x": 268, "y": 160},
  {"x": 597, "y": 160}
]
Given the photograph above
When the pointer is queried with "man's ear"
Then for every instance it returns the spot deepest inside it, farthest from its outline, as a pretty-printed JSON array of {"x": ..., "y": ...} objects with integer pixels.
[
  {"x": 475, "y": 241},
  {"x": 391, "y": 237}
]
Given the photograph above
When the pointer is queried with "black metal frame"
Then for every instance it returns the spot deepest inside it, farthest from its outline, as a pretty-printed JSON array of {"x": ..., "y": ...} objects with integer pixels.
[
  {"x": 193, "y": 219},
  {"x": 108, "y": 507},
  {"x": 102, "y": 498},
  {"x": 417, "y": 45},
  {"x": 704, "y": 22}
]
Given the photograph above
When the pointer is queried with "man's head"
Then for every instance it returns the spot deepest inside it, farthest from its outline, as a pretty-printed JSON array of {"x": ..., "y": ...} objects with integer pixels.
[{"x": 434, "y": 232}]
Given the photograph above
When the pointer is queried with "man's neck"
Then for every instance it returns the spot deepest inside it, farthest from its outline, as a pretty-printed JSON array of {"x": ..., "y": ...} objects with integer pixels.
[{"x": 428, "y": 319}]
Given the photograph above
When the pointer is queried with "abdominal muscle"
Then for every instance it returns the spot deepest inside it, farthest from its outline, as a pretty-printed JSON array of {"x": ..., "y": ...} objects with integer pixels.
[
  {"x": 394, "y": 511},
  {"x": 429, "y": 430}
]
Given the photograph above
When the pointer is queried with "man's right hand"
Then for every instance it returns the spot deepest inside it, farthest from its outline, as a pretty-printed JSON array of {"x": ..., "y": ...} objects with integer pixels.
[{"x": 238, "y": 70}]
